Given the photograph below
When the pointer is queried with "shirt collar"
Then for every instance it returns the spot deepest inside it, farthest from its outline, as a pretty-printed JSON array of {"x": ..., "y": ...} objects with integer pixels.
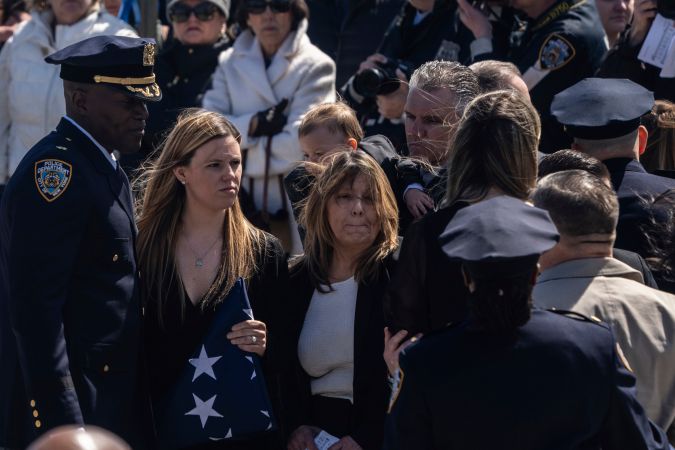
[{"x": 109, "y": 156}]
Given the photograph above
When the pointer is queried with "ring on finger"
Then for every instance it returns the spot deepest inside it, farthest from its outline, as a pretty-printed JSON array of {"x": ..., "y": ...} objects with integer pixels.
[{"x": 254, "y": 339}]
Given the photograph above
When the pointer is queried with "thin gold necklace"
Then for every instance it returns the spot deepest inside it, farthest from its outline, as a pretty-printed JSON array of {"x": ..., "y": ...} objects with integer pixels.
[{"x": 199, "y": 260}]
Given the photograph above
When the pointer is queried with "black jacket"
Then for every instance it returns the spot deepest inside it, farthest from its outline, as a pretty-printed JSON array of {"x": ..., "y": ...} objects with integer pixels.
[
  {"x": 350, "y": 36},
  {"x": 70, "y": 313},
  {"x": 427, "y": 291},
  {"x": 371, "y": 390},
  {"x": 555, "y": 383}
]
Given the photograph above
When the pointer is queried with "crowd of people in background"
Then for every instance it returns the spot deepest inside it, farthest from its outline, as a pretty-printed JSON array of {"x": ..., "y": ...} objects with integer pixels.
[{"x": 454, "y": 221}]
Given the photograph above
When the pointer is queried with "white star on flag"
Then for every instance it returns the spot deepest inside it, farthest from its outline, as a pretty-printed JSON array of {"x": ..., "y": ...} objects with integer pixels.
[
  {"x": 250, "y": 359},
  {"x": 204, "y": 364},
  {"x": 203, "y": 409}
]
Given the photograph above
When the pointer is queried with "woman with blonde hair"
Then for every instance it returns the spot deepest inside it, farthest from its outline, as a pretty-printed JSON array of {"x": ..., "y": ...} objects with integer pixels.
[
  {"x": 494, "y": 153},
  {"x": 351, "y": 220},
  {"x": 193, "y": 245}
]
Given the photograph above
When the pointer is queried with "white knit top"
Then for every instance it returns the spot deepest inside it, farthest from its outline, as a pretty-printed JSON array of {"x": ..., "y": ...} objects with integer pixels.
[{"x": 326, "y": 345}]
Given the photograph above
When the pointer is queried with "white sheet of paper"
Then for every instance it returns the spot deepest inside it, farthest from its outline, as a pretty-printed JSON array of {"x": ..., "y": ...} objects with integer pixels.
[
  {"x": 658, "y": 42},
  {"x": 324, "y": 440},
  {"x": 668, "y": 70}
]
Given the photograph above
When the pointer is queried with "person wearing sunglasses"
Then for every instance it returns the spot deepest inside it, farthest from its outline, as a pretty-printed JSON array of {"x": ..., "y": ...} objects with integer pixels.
[
  {"x": 184, "y": 67},
  {"x": 264, "y": 84}
]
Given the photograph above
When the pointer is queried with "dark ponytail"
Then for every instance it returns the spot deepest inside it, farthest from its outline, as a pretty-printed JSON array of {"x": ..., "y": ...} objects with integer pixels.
[{"x": 501, "y": 304}]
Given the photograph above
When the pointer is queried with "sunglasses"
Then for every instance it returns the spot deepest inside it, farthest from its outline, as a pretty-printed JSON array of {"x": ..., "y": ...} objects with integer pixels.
[
  {"x": 259, "y": 6},
  {"x": 181, "y": 12}
]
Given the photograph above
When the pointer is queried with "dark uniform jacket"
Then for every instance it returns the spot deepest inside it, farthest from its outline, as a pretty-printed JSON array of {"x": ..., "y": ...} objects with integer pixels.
[
  {"x": 69, "y": 303},
  {"x": 557, "y": 383},
  {"x": 427, "y": 290},
  {"x": 635, "y": 188},
  {"x": 561, "y": 47},
  {"x": 349, "y": 31}
]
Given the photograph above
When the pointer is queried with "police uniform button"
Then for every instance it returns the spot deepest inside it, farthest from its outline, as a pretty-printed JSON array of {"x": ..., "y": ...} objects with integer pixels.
[
  {"x": 116, "y": 257},
  {"x": 32, "y": 403},
  {"x": 35, "y": 413},
  {"x": 106, "y": 368},
  {"x": 38, "y": 424}
]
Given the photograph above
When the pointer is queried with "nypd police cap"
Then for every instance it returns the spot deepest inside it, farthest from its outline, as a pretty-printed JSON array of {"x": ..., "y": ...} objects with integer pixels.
[
  {"x": 124, "y": 63},
  {"x": 499, "y": 233},
  {"x": 601, "y": 108}
]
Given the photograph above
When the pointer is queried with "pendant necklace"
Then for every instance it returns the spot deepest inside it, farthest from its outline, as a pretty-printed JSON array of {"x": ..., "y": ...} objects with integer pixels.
[{"x": 199, "y": 260}]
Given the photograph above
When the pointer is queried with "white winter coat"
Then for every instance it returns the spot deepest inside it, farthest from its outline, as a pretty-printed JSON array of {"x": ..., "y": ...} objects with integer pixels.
[
  {"x": 31, "y": 92},
  {"x": 242, "y": 86}
]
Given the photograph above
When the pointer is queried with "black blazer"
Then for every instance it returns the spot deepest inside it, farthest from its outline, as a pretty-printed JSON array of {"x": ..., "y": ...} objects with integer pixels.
[
  {"x": 69, "y": 299},
  {"x": 371, "y": 389}
]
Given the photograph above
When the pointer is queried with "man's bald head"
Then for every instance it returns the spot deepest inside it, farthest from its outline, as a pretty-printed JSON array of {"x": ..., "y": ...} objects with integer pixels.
[{"x": 72, "y": 437}]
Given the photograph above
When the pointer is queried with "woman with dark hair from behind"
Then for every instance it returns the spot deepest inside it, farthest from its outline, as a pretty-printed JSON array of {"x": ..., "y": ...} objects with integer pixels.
[
  {"x": 494, "y": 153},
  {"x": 351, "y": 220},
  {"x": 193, "y": 245},
  {"x": 496, "y": 366}
]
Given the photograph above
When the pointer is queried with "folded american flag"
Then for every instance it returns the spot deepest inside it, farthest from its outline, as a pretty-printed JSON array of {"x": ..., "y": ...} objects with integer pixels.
[{"x": 221, "y": 393}]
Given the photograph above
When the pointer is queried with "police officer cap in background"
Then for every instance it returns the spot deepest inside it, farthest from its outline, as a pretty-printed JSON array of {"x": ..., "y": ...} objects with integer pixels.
[
  {"x": 602, "y": 108},
  {"x": 120, "y": 62},
  {"x": 501, "y": 237}
]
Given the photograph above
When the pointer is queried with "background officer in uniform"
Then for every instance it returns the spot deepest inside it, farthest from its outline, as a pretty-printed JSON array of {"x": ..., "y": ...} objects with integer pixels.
[
  {"x": 607, "y": 126},
  {"x": 510, "y": 377},
  {"x": 559, "y": 44},
  {"x": 69, "y": 303}
]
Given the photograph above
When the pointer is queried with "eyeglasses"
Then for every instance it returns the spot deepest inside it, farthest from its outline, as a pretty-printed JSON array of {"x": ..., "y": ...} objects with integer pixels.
[
  {"x": 181, "y": 12},
  {"x": 259, "y": 6}
]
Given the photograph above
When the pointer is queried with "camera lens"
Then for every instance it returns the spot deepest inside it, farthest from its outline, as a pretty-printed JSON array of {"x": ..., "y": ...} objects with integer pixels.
[{"x": 367, "y": 83}]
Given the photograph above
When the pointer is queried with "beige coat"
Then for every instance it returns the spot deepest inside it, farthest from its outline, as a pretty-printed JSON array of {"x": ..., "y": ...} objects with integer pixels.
[{"x": 642, "y": 319}]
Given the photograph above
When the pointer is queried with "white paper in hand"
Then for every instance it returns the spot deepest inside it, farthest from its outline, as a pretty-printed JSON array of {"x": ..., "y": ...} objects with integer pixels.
[
  {"x": 658, "y": 42},
  {"x": 324, "y": 440}
]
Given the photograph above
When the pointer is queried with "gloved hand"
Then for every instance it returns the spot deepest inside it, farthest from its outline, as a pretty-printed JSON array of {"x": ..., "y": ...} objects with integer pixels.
[{"x": 269, "y": 122}]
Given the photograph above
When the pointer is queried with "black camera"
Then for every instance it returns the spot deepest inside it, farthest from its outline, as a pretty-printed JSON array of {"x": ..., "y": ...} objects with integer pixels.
[
  {"x": 666, "y": 8},
  {"x": 380, "y": 80}
]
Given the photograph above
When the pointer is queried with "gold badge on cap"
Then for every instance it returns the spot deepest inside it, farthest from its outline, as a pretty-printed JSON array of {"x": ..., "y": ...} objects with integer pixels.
[{"x": 149, "y": 55}]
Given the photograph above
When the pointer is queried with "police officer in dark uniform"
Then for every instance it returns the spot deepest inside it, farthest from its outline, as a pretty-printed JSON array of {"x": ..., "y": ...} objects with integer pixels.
[
  {"x": 558, "y": 44},
  {"x": 69, "y": 297},
  {"x": 603, "y": 117},
  {"x": 509, "y": 377}
]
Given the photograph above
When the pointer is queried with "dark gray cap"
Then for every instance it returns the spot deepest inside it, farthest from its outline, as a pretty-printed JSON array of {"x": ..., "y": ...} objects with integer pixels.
[
  {"x": 602, "y": 108},
  {"x": 499, "y": 230},
  {"x": 223, "y": 5}
]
